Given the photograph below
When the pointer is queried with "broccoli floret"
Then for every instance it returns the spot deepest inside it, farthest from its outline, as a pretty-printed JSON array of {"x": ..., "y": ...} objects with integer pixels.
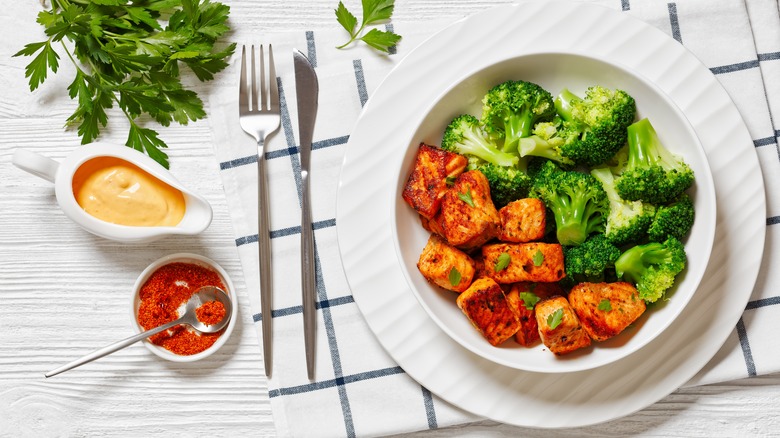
[
  {"x": 652, "y": 267},
  {"x": 576, "y": 199},
  {"x": 628, "y": 221},
  {"x": 652, "y": 173},
  {"x": 510, "y": 110},
  {"x": 507, "y": 184},
  {"x": 673, "y": 220},
  {"x": 594, "y": 126},
  {"x": 589, "y": 261},
  {"x": 465, "y": 136},
  {"x": 544, "y": 142}
]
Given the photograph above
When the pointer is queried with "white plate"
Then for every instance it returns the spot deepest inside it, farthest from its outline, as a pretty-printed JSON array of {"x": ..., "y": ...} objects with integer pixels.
[
  {"x": 430, "y": 356},
  {"x": 555, "y": 71}
]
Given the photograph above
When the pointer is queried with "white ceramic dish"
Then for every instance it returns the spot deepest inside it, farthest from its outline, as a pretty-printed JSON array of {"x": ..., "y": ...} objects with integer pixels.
[
  {"x": 555, "y": 71},
  {"x": 197, "y": 260},
  {"x": 417, "y": 343},
  {"x": 197, "y": 216}
]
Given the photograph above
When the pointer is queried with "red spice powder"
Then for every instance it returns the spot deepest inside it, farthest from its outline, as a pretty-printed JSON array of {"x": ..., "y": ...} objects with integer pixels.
[
  {"x": 164, "y": 292},
  {"x": 210, "y": 313}
]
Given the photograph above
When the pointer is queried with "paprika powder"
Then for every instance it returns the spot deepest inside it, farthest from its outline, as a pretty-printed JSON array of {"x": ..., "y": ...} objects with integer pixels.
[{"x": 165, "y": 292}]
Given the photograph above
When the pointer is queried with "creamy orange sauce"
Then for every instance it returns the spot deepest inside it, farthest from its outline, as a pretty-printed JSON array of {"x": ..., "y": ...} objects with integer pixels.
[{"x": 117, "y": 191}]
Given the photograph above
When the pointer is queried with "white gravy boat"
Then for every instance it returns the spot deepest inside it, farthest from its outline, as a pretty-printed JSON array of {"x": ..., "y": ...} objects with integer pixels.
[{"x": 197, "y": 214}]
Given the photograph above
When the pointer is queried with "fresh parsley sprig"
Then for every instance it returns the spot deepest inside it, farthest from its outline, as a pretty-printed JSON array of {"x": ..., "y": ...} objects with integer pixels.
[
  {"x": 374, "y": 12},
  {"x": 129, "y": 54}
]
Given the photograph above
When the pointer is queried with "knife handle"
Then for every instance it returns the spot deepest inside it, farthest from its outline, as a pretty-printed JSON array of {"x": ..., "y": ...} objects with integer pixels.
[{"x": 308, "y": 279}]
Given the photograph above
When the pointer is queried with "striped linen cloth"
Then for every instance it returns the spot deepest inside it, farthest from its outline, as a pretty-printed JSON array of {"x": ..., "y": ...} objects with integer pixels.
[{"x": 359, "y": 390}]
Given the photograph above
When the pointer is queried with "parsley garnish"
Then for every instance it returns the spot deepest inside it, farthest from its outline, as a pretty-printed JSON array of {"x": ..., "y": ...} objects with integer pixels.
[
  {"x": 529, "y": 299},
  {"x": 605, "y": 305},
  {"x": 538, "y": 258},
  {"x": 374, "y": 12},
  {"x": 124, "y": 56},
  {"x": 466, "y": 197},
  {"x": 554, "y": 319},
  {"x": 454, "y": 276},
  {"x": 502, "y": 261}
]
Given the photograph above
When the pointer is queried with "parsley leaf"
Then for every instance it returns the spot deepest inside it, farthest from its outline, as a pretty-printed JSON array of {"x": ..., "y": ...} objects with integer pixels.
[
  {"x": 454, "y": 276},
  {"x": 346, "y": 19},
  {"x": 554, "y": 319},
  {"x": 466, "y": 197},
  {"x": 605, "y": 305},
  {"x": 374, "y": 12},
  {"x": 538, "y": 258},
  {"x": 529, "y": 299},
  {"x": 380, "y": 40},
  {"x": 502, "y": 261},
  {"x": 129, "y": 54}
]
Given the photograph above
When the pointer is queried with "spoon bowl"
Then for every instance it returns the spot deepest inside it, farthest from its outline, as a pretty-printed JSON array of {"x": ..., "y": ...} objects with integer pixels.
[{"x": 202, "y": 296}]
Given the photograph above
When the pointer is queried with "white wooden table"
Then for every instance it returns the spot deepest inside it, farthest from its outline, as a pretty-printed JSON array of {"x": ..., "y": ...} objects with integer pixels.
[{"x": 65, "y": 292}]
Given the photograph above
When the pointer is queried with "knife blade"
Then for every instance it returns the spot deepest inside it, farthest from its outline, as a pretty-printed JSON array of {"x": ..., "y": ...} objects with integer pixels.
[{"x": 307, "y": 92}]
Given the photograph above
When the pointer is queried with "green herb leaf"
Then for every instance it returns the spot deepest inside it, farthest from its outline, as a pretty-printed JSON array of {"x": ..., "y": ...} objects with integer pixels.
[
  {"x": 605, "y": 305},
  {"x": 39, "y": 67},
  {"x": 466, "y": 197},
  {"x": 454, "y": 276},
  {"x": 381, "y": 40},
  {"x": 450, "y": 181},
  {"x": 502, "y": 261},
  {"x": 554, "y": 319},
  {"x": 146, "y": 140},
  {"x": 347, "y": 20},
  {"x": 538, "y": 258},
  {"x": 374, "y": 12},
  {"x": 529, "y": 299}
]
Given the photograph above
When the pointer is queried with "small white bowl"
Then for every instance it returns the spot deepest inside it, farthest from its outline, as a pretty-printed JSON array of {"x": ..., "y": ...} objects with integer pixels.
[
  {"x": 197, "y": 214},
  {"x": 196, "y": 260},
  {"x": 554, "y": 71}
]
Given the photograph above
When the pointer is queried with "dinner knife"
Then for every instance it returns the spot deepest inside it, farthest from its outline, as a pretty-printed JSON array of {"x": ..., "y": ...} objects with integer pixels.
[{"x": 306, "y": 91}]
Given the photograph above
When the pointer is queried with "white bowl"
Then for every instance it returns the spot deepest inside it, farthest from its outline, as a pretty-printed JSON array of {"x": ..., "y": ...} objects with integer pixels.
[
  {"x": 554, "y": 71},
  {"x": 197, "y": 213},
  {"x": 197, "y": 260}
]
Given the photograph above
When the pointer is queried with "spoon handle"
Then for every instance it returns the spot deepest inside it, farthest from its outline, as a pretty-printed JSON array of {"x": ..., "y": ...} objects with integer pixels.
[{"x": 112, "y": 348}]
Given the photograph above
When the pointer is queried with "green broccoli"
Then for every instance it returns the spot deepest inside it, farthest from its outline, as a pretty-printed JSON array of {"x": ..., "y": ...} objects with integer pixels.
[
  {"x": 652, "y": 173},
  {"x": 576, "y": 199},
  {"x": 673, "y": 220},
  {"x": 465, "y": 136},
  {"x": 628, "y": 221},
  {"x": 510, "y": 110},
  {"x": 652, "y": 267},
  {"x": 589, "y": 261},
  {"x": 545, "y": 142},
  {"x": 507, "y": 184},
  {"x": 594, "y": 127}
]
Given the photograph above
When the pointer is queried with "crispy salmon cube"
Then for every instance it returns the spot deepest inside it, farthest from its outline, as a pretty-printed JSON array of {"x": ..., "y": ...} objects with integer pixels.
[
  {"x": 559, "y": 327},
  {"x": 522, "y": 298},
  {"x": 523, "y": 220},
  {"x": 428, "y": 181},
  {"x": 486, "y": 306},
  {"x": 468, "y": 218},
  {"x": 445, "y": 265},
  {"x": 533, "y": 261},
  {"x": 606, "y": 309}
]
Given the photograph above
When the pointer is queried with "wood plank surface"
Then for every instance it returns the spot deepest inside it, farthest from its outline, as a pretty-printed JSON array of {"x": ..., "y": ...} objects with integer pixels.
[{"x": 59, "y": 284}]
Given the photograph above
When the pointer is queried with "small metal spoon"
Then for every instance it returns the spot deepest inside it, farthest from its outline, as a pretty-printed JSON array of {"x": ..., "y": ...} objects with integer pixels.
[{"x": 203, "y": 295}]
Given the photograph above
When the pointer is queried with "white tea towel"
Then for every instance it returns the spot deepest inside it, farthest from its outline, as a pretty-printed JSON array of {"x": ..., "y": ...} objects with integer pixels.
[{"x": 359, "y": 390}]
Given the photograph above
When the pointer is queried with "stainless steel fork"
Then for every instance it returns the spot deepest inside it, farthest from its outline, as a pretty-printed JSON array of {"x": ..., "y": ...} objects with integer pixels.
[{"x": 258, "y": 110}]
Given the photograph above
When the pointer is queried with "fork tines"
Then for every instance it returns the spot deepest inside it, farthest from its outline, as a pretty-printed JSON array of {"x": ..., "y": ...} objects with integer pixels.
[{"x": 249, "y": 101}]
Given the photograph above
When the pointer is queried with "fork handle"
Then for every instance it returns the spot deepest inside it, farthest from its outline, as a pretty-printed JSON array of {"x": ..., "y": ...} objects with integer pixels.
[{"x": 264, "y": 248}]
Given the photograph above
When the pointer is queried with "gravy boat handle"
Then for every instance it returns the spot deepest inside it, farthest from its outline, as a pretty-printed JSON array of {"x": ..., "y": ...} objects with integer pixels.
[{"x": 35, "y": 164}]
